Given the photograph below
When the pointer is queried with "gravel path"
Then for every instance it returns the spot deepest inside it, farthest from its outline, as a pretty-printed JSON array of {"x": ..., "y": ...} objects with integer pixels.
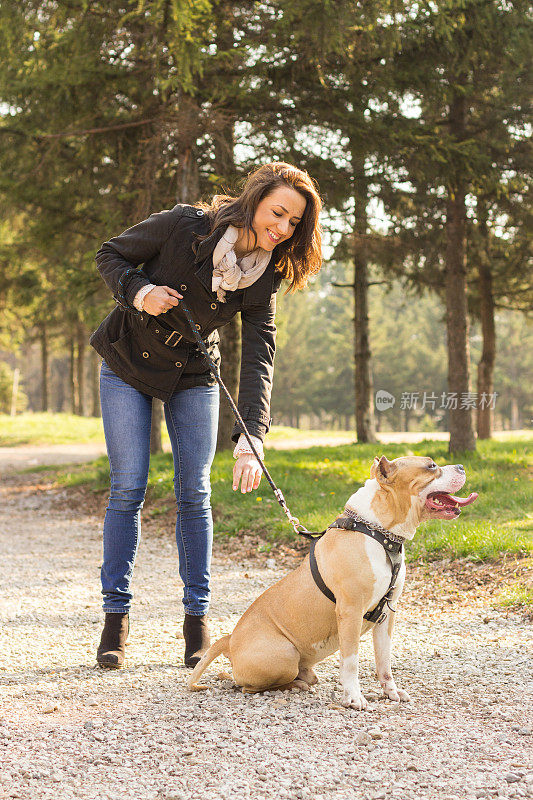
[{"x": 70, "y": 731}]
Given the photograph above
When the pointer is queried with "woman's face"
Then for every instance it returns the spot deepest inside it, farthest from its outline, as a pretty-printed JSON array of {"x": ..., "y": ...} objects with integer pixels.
[{"x": 276, "y": 217}]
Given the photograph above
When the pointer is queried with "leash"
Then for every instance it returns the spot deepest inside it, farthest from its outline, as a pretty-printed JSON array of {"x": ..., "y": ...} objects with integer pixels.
[
  {"x": 293, "y": 521},
  {"x": 393, "y": 549}
]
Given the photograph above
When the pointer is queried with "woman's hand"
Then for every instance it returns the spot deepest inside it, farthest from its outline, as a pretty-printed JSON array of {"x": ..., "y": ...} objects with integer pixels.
[
  {"x": 247, "y": 471},
  {"x": 160, "y": 300}
]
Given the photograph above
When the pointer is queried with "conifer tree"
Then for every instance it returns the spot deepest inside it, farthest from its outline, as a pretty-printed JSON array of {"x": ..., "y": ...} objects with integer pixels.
[{"x": 463, "y": 65}]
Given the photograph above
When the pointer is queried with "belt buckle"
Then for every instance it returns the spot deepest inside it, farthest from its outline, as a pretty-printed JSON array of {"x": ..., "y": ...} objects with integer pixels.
[
  {"x": 169, "y": 341},
  {"x": 381, "y": 618}
]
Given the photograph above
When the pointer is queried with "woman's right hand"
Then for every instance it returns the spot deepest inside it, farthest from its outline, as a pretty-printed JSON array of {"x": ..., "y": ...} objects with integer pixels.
[{"x": 160, "y": 300}]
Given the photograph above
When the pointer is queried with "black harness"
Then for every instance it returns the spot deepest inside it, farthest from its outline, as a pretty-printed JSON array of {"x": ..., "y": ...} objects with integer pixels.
[{"x": 393, "y": 549}]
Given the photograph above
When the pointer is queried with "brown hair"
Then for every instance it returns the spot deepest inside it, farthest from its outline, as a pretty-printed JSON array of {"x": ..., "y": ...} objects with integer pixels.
[{"x": 297, "y": 258}]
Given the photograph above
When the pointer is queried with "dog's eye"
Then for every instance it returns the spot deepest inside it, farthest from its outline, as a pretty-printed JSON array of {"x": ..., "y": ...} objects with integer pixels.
[{"x": 432, "y": 466}]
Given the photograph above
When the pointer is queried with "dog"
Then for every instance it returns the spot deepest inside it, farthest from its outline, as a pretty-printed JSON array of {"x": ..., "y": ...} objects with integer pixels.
[{"x": 295, "y": 624}]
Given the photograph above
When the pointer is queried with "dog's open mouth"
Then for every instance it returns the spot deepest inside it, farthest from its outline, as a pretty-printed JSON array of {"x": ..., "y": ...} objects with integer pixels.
[{"x": 448, "y": 505}]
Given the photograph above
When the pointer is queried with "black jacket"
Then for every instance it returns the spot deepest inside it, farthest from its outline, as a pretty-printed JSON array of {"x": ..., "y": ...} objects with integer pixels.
[{"x": 157, "y": 354}]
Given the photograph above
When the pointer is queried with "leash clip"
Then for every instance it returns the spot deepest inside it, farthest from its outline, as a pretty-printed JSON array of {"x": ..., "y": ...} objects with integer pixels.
[
  {"x": 294, "y": 521},
  {"x": 297, "y": 525}
]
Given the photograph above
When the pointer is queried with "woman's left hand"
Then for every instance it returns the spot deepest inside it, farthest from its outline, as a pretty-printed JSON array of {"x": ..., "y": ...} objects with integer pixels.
[{"x": 247, "y": 472}]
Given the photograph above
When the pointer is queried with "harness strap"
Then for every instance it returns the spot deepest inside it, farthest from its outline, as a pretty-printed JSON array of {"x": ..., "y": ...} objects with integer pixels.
[
  {"x": 317, "y": 577},
  {"x": 393, "y": 549}
]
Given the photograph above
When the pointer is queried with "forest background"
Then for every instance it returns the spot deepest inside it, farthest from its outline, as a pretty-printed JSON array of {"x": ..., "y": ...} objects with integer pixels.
[{"x": 413, "y": 117}]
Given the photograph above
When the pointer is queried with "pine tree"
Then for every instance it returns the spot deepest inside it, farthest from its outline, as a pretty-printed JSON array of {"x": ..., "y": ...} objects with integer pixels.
[{"x": 464, "y": 66}]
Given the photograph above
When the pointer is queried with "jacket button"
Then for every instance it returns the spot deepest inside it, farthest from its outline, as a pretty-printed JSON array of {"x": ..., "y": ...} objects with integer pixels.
[
  {"x": 199, "y": 213},
  {"x": 179, "y": 364},
  {"x": 213, "y": 306},
  {"x": 157, "y": 330},
  {"x": 183, "y": 287},
  {"x": 197, "y": 327},
  {"x": 146, "y": 354}
]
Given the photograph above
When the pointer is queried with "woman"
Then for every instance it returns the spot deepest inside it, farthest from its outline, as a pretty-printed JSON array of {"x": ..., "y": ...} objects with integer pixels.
[{"x": 227, "y": 257}]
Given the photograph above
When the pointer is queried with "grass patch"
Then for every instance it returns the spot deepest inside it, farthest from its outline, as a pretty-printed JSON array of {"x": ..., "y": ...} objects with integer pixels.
[
  {"x": 317, "y": 481},
  {"x": 517, "y": 594},
  {"x": 93, "y": 475},
  {"x": 41, "y": 429}
]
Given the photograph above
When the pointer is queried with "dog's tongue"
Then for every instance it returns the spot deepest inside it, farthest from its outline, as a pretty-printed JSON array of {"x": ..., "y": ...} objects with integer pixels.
[{"x": 460, "y": 501}]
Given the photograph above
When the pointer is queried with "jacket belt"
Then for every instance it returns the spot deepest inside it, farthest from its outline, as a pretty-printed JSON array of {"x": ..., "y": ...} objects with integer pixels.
[{"x": 165, "y": 334}]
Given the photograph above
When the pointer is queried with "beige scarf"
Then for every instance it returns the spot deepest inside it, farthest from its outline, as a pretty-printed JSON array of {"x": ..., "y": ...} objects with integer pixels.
[{"x": 230, "y": 273}]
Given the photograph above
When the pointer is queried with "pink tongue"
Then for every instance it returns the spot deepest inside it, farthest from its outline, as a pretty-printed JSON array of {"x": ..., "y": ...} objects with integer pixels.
[{"x": 464, "y": 501}]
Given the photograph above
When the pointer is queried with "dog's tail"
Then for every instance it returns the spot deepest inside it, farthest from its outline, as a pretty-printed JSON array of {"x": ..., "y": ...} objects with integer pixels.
[{"x": 216, "y": 649}]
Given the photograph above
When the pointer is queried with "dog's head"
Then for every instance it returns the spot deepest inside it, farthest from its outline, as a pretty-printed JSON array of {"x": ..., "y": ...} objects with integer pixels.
[{"x": 412, "y": 489}]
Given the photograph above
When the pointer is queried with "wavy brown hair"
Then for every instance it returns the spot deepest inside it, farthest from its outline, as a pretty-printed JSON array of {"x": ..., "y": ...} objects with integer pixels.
[{"x": 297, "y": 258}]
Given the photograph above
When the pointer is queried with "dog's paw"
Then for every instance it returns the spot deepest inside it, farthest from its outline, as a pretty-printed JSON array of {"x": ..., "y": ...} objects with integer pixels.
[
  {"x": 395, "y": 694},
  {"x": 301, "y": 685},
  {"x": 391, "y": 691},
  {"x": 308, "y": 675},
  {"x": 355, "y": 700},
  {"x": 404, "y": 697}
]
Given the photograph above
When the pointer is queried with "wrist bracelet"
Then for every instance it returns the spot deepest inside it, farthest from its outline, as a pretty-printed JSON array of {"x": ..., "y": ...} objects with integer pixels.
[{"x": 244, "y": 450}]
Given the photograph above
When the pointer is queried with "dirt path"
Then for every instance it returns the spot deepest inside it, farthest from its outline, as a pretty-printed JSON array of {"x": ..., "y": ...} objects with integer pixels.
[{"x": 69, "y": 731}]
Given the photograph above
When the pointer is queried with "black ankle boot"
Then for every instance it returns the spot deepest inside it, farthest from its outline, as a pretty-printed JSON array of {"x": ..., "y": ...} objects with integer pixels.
[
  {"x": 197, "y": 640},
  {"x": 112, "y": 647}
]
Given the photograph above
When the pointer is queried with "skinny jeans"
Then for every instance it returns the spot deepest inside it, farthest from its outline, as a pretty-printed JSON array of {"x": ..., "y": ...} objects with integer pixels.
[{"x": 192, "y": 421}]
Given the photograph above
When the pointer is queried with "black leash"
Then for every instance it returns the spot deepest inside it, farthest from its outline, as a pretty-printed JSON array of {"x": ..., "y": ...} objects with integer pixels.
[{"x": 294, "y": 521}]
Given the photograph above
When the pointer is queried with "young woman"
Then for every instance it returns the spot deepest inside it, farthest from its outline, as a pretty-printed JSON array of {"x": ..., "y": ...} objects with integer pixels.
[{"x": 221, "y": 259}]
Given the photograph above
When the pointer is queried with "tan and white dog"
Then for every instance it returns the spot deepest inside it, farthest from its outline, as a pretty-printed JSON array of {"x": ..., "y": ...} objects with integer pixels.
[{"x": 293, "y": 625}]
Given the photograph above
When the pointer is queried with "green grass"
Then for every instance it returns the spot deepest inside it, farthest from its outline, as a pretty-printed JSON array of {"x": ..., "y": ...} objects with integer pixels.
[
  {"x": 516, "y": 595},
  {"x": 42, "y": 429},
  {"x": 317, "y": 481}
]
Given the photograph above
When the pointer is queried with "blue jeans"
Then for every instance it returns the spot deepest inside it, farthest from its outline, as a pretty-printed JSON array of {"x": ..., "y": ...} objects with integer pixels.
[{"x": 192, "y": 422}]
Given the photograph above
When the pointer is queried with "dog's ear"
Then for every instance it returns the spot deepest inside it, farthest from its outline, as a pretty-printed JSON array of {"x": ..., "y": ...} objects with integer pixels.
[
  {"x": 382, "y": 469},
  {"x": 374, "y": 467}
]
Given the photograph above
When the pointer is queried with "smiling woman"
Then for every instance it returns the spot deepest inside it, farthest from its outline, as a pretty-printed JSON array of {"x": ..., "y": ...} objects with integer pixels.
[
  {"x": 223, "y": 258},
  {"x": 278, "y": 209}
]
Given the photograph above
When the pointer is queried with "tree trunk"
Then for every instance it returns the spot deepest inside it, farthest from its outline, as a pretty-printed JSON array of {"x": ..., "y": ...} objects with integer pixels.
[
  {"x": 230, "y": 350},
  {"x": 485, "y": 372},
  {"x": 187, "y": 182},
  {"x": 156, "y": 442},
  {"x": 224, "y": 144},
  {"x": 45, "y": 368},
  {"x": 72, "y": 376},
  {"x": 147, "y": 173},
  {"x": 461, "y": 429},
  {"x": 15, "y": 391},
  {"x": 364, "y": 405},
  {"x": 96, "y": 411},
  {"x": 81, "y": 341}
]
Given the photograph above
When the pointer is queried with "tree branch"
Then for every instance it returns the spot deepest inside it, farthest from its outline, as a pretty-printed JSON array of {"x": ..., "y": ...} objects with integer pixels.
[{"x": 79, "y": 133}]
